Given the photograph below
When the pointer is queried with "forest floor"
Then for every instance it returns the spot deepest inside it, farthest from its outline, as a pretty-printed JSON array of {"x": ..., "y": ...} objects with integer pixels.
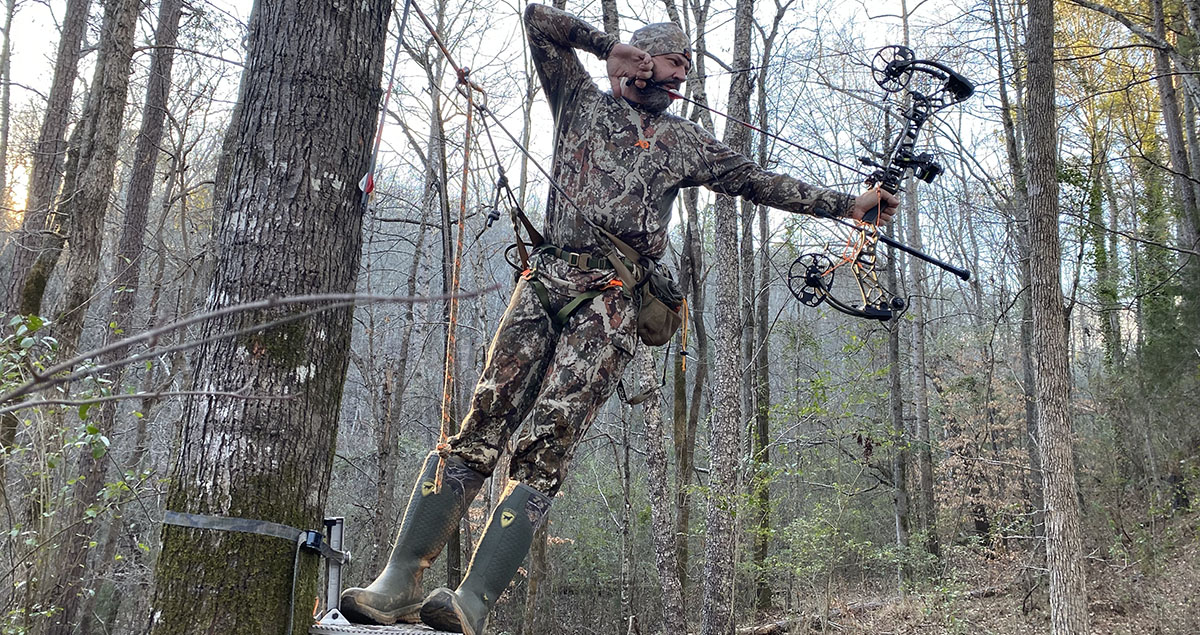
[{"x": 1148, "y": 585}]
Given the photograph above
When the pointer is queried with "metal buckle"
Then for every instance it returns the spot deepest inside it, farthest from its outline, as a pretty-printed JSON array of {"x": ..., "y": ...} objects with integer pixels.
[{"x": 573, "y": 259}]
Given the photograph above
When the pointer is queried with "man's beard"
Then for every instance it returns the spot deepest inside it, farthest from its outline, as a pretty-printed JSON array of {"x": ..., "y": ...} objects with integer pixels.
[{"x": 652, "y": 97}]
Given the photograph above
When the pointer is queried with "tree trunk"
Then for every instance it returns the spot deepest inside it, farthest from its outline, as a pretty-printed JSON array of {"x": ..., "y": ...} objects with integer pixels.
[
  {"x": 662, "y": 520},
  {"x": 539, "y": 571},
  {"x": 145, "y": 160},
  {"x": 761, "y": 448},
  {"x": 10, "y": 9},
  {"x": 692, "y": 280},
  {"x": 1064, "y": 551},
  {"x": 927, "y": 512},
  {"x": 1110, "y": 324},
  {"x": 900, "y": 440},
  {"x": 1173, "y": 122},
  {"x": 388, "y": 464},
  {"x": 1016, "y": 170},
  {"x": 137, "y": 201},
  {"x": 86, "y": 209},
  {"x": 748, "y": 291},
  {"x": 719, "y": 554},
  {"x": 1185, "y": 188},
  {"x": 610, "y": 17},
  {"x": 761, "y": 451},
  {"x": 101, "y": 570},
  {"x": 626, "y": 476},
  {"x": 687, "y": 408},
  {"x": 25, "y": 290},
  {"x": 98, "y": 157},
  {"x": 292, "y": 226}
]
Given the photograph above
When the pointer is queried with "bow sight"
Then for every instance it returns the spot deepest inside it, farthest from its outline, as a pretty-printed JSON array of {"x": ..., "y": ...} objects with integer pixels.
[{"x": 894, "y": 68}]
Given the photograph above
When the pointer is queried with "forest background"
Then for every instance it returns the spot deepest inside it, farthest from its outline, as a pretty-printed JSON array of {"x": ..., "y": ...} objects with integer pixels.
[{"x": 1016, "y": 453}]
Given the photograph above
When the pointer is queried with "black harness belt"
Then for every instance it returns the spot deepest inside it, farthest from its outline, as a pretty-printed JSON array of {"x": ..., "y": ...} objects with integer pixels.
[{"x": 581, "y": 261}]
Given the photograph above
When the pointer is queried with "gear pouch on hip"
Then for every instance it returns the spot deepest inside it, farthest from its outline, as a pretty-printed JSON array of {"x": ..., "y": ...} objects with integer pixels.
[{"x": 661, "y": 303}]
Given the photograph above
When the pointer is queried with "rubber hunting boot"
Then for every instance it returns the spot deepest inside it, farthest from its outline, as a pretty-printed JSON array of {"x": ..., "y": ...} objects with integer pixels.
[
  {"x": 428, "y": 522},
  {"x": 501, "y": 550}
]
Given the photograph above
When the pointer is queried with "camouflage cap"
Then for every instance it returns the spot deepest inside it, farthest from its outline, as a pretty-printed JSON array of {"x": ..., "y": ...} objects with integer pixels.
[{"x": 662, "y": 38}]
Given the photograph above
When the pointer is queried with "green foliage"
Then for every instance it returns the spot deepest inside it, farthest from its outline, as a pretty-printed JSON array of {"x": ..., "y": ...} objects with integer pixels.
[
  {"x": 46, "y": 451},
  {"x": 25, "y": 348},
  {"x": 833, "y": 539},
  {"x": 1156, "y": 267}
]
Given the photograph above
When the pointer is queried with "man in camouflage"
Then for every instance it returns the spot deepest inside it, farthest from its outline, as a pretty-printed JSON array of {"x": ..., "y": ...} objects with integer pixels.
[{"x": 619, "y": 162}]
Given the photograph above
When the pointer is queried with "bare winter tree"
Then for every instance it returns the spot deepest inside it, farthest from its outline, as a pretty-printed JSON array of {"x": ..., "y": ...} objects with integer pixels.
[
  {"x": 716, "y": 615},
  {"x": 26, "y": 283},
  {"x": 291, "y": 224},
  {"x": 1064, "y": 548}
]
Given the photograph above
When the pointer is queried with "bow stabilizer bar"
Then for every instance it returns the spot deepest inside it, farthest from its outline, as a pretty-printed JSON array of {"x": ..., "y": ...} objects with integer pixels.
[{"x": 961, "y": 273}]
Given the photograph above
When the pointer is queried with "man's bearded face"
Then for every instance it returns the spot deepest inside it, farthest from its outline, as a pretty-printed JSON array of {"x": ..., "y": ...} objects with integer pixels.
[
  {"x": 652, "y": 97},
  {"x": 670, "y": 71}
]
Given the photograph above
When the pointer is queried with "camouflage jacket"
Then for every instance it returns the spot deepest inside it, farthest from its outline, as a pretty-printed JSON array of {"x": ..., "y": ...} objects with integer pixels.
[{"x": 623, "y": 166}]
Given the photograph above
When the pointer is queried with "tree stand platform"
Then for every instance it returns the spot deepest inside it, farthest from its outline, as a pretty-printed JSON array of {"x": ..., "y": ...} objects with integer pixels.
[{"x": 333, "y": 623}]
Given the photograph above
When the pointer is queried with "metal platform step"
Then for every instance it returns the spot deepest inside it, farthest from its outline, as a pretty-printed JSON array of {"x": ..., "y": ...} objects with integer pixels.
[{"x": 332, "y": 623}]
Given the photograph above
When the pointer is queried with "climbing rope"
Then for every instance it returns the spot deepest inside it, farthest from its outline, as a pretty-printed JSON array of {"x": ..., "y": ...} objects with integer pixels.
[
  {"x": 456, "y": 284},
  {"x": 468, "y": 89}
]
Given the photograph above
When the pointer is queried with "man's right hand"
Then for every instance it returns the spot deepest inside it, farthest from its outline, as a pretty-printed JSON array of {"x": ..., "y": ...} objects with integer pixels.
[{"x": 625, "y": 61}]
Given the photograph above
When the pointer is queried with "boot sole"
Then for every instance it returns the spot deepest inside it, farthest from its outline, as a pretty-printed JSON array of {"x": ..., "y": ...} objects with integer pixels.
[
  {"x": 360, "y": 614},
  {"x": 442, "y": 618}
]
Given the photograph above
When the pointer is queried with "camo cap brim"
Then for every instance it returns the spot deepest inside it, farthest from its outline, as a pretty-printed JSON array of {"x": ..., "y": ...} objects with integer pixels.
[{"x": 662, "y": 38}]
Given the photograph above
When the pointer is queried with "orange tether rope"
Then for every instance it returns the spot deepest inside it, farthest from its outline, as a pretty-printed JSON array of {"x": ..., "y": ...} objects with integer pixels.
[{"x": 467, "y": 88}]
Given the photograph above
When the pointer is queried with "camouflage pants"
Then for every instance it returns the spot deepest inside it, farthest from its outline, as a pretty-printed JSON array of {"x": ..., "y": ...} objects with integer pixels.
[{"x": 556, "y": 379}]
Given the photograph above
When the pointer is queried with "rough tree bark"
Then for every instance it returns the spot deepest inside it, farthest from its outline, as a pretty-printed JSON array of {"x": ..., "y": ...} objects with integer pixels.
[
  {"x": 44, "y": 168},
  {"x": 87, "y": 206},
  {"x": 86, "y": 211},
  {"x": 661, "y": 518},
  {"x": 130, "y": 248},
  {"x": 716, "y": 615},
  {"x": 292, "y": 225},
  {"x": 1064, "y": 551}
]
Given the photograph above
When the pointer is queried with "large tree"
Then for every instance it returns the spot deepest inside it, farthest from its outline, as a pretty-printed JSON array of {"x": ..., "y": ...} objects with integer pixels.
[
  {"x": 290, "y": 225},
  {"x": 1064, "y": 548},
  {"x": 26, "y": 283},
  {"x": 724, "y": 442}
]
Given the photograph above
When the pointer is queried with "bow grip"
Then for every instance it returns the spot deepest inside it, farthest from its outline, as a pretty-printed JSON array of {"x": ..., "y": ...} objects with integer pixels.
[{"x": 886, "y": 183}]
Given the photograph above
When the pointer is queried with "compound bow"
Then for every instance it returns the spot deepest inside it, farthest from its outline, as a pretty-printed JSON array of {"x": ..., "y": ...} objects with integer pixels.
[{"x": 811, "y": 276}]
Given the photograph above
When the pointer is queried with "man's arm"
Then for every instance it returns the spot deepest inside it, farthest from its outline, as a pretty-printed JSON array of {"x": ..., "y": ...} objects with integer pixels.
[
  {"x": 717, "y": 167},
  {"x": 720, "y": 169},
  {"x": 553, "y": 35}
]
